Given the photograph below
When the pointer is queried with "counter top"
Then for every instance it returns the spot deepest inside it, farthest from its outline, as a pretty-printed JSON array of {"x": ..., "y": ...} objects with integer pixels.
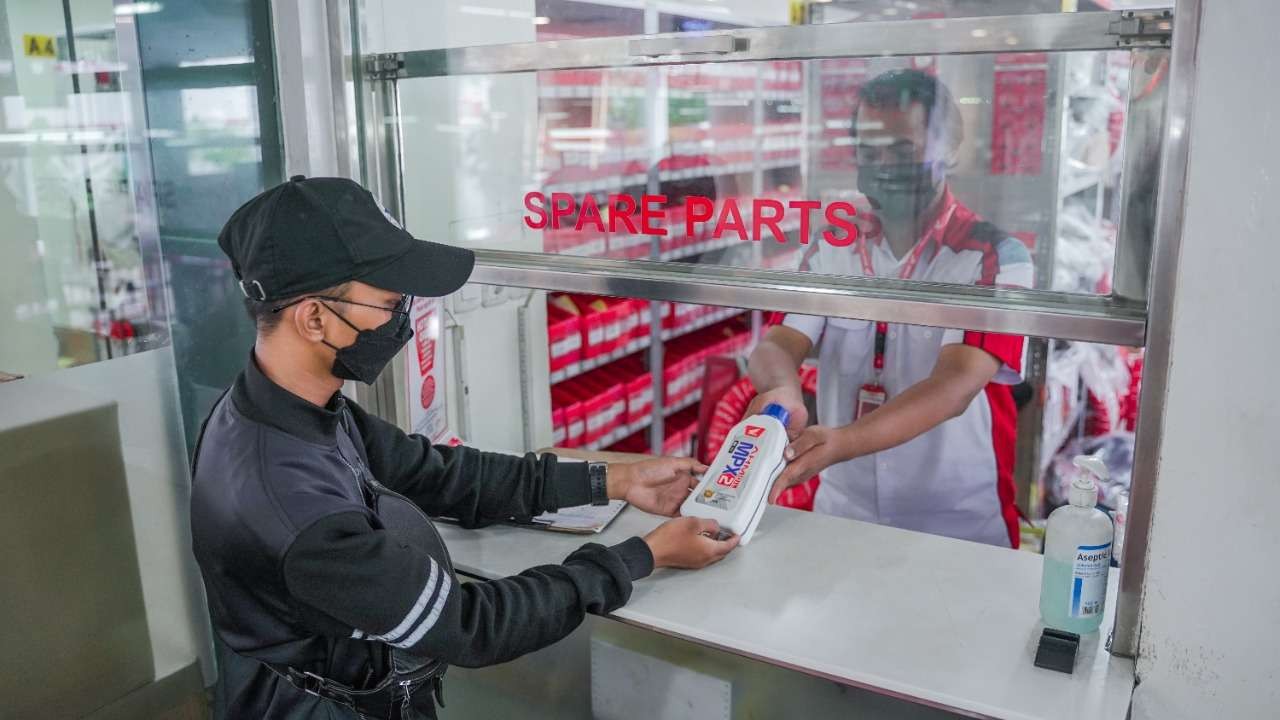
[{"x": 942, "y": 622}]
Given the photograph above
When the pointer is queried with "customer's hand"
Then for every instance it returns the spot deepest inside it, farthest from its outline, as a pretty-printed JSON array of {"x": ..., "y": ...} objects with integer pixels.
[
  {"x": 789, "y": 397},
  {"x": 688, "y": 542},
  {"x": 818, "y": 448},
  {"x": 655, "y": 486}
]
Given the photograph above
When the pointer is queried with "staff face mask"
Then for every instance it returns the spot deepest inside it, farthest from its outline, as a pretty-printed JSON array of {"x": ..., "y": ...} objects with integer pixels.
[
  {"x": 365, "y": 358},
  {"x": 900, "y": 191}
]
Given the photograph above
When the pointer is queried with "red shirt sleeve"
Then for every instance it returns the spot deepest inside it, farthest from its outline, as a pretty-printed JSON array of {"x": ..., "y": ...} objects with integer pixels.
[{"x": 1005, "y": 348}]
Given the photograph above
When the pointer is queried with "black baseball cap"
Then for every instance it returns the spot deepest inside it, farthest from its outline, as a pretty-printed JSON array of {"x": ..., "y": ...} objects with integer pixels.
[{"x": 310, "y": 234}]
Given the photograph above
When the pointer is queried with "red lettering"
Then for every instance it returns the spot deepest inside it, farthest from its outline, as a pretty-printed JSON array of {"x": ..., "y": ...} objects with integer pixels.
[
  {"x": 590, "y": 212},
  {"x": 730, "y": 211},
  {"x": 622, "y": 207},
  {"x": 539, "y": 211},
  {"x": 560, "y": 211},
  {"x": 846, "y": 224},
  {"x": 758, "y": 219},
  {"x": 696, "y": 209},
  {"x": 648, "y": 215},
  {"x": 804, "y": 206}
]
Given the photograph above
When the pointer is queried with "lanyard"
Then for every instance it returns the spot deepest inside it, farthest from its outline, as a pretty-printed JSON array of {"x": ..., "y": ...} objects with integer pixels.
[{"x": 905, "y": 273}]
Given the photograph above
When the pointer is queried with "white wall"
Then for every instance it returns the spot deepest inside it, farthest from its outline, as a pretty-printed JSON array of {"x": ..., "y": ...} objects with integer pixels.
[{"x": 1211, "y": 614}]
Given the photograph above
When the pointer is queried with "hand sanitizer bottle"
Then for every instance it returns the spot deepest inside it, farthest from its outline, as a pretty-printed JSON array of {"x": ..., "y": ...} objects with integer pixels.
[
  {"x": 735, "y": 490},
  {"x": 1077, "y": 555}
]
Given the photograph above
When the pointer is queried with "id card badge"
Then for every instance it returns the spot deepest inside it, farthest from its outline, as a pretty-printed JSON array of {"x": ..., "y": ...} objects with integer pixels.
[{"x": 870, "y": 397}]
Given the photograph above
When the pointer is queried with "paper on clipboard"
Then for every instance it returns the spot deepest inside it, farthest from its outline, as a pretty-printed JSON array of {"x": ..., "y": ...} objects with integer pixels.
[{"x": 585, "y": 520}]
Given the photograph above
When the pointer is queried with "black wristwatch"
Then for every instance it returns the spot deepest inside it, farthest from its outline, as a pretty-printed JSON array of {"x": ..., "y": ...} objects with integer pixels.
[{"x": 597, "y": 476}]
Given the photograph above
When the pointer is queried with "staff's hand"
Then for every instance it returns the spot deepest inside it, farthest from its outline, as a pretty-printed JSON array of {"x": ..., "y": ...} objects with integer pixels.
[
  {"x": 688, "y": 542},
  {"x": 789, "y": 397},
  {"x": 655, "y": 486},
  {"x": 818, "y": 448}
]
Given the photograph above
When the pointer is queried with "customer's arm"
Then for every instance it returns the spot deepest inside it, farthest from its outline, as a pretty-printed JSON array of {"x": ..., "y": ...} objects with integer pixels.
[
  {"x": 352, "y": 580},
  {"x": 474, "y": 487},
  {"x": 478, "y": 488}
]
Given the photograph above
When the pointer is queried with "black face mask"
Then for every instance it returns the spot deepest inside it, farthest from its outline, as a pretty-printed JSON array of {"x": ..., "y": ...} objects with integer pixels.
[
  {"x": 365, "y": 358},
  {"x": 899, "y": 191}
]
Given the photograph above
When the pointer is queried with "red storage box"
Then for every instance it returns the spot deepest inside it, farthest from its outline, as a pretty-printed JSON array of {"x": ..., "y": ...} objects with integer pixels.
[
  {"x": 637, "y": 386},
  {"x": 571, "y": 407},
  {"x": 559, "y": 433},
  {"x": 680, "y": 371},
  {"x": 606, "y": 407},
  {"x": 591, "y": 408},
  {"x": 641, "y": 329},
  {"x": 678, "y": 433},
  {"x": 593, "y": 316},
  {"x": 564, "y": 336},
  {"x": 624, "y": 246},
  {"x": 618, "y": 323}
]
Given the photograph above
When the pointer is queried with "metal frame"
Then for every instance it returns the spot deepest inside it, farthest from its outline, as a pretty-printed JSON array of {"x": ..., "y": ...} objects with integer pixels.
[
  {"x": 1021, "y": 312},
  {"x": 1117, "y": 320},
  {"x": 1108, "y": 320},
  {"x": 1162, "y": 287},
  {"x": 1057, "y": 32},
  {"x": 1137, "y": 214},
  {"x": 308, "y": 44}
]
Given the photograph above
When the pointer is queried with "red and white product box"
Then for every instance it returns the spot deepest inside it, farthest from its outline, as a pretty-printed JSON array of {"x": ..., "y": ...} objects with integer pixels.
[
  {"x": 604, "y": 407},
  {"x": 559, "y": 432},
  {"x": 594, "y": 318},
  {"x": 637, "y": 385},
  {"x": 564, "y": 336},
  {"x": 573, "y": 422},
  {"x": 678, "y": 432}
]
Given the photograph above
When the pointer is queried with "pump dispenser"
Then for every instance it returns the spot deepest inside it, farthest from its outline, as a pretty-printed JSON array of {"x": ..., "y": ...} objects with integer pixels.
[
  {"x": 1077, "y": 555},
  {"x": 735, "y": 490}
]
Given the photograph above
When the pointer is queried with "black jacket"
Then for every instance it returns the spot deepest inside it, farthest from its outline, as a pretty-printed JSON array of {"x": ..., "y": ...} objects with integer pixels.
[{"x": 299, "y": 571}]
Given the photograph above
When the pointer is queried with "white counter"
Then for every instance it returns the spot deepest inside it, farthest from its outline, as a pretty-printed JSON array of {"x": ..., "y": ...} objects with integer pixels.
[{"x": 938, "y": 621}]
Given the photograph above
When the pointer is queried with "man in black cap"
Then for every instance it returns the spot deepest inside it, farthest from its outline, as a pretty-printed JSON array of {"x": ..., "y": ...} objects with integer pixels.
[{"x": 330, "y": 592}]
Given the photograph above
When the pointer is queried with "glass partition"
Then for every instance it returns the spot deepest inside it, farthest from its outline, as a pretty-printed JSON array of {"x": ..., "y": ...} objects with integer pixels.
[
  {"x": 74, "y": 264},
  {"x": 957, "y": 169},
  {"x": 936, "y": 168},
  {"x": 988, "y": 177}
]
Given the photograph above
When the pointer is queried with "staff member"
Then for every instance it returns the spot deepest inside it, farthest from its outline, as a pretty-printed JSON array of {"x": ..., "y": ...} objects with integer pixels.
[
  {"x": 323, "y": 603},
  {"x": 916, "y": 425}
]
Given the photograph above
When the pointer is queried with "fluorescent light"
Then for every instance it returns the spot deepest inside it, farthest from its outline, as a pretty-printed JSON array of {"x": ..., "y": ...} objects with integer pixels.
[
  {"x": 579, "y": 133},
  {"x": 481, "y": 10},
  {"x": 216, "y": 61},
  {"x": 540, "y": 20},
  {"x": 139, "y": 8}
]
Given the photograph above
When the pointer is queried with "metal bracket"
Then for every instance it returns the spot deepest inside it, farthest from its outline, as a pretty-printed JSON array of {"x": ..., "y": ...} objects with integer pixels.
[
  {"x": 384, "y": 66},
  {"x": 1143, "y": 29}
]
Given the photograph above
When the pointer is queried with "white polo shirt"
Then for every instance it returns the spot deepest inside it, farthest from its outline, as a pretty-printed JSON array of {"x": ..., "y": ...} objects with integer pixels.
[{"x": 956, "y": 479}]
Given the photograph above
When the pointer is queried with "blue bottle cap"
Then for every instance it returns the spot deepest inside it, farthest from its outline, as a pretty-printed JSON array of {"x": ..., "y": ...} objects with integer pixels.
[{"x": 777, "y": 411}]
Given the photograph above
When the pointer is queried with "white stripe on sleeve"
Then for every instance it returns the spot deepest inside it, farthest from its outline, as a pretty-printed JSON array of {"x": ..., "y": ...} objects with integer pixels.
[
  {"x": 419, "y": 606},
  {"x": 431, "y": 619}
]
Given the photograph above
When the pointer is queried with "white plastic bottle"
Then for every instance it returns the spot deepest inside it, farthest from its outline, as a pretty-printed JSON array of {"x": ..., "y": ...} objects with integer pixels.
[
  {"x": 1077, "y": 555},
  {"x": 735, "y": 490}
]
